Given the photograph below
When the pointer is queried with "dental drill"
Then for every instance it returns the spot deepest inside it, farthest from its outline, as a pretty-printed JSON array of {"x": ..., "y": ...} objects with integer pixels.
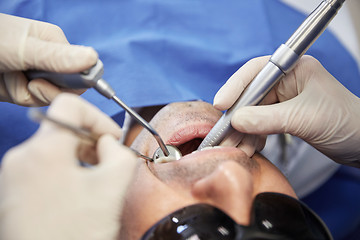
[
  {"x": 93, "y": 78},
  {"x": 281, "y": 63}
]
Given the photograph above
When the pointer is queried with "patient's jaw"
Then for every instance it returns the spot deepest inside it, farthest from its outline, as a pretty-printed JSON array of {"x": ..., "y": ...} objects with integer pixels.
[{"x": 223, "y": 177}]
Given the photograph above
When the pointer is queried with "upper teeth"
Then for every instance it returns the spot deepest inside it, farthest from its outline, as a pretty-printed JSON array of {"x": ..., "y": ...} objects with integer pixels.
[{"x": 206, "y": 148}]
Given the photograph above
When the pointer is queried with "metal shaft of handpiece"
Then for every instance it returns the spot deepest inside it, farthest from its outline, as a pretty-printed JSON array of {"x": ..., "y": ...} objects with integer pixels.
[
  {"x": 281, "y": 62},
  {"x": 143, "y": 123}
]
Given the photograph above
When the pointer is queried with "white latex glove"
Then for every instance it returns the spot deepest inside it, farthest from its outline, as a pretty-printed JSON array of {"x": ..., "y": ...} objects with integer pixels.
[
  {"x": 248, "y": 143},
  {"x": 310, "y": 104},
  {"x": 28, "y": 44},
  {"x": 45, "y": 194}
]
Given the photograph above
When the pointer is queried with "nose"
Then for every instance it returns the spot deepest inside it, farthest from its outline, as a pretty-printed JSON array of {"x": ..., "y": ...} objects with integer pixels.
[{"x": 230, "y": 188}]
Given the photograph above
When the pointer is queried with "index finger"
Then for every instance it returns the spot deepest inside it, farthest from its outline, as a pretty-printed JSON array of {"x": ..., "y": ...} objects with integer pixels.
[{"x": 235, "y": 85}]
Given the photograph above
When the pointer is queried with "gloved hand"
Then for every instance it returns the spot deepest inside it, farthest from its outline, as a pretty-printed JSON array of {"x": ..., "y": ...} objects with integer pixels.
[
  {"x": 309, "y": 103},
  {"x": 248, "y": 143},
  {"x": 45, "y": 194},
  {"x": 28, "y": 44}
]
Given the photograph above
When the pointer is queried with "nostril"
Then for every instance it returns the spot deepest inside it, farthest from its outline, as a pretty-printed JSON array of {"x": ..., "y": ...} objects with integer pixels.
[{"x": 190, "y": 146}]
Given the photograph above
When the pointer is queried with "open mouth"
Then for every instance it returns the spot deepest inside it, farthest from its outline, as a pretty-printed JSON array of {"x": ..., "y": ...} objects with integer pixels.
[
  {"x": 190, "y": 146},
  {"x": 177, "y": 151},
  {"x": 188, "y": 139},
  {"x": 185, "y": 148},
  {"x": 187, "y": 135}
]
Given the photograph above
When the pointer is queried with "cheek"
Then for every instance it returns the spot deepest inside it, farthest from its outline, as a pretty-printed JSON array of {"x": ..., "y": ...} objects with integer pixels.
[
  {"x": 272, "y": 180},
  {"x": 277, "y": 184},
  {"x": 147, "y": 201}
]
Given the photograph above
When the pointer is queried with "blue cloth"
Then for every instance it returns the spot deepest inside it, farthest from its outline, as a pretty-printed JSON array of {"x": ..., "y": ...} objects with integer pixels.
[
  {"x": 156, "y": 52},
  {"x": 341, "y": 194}
]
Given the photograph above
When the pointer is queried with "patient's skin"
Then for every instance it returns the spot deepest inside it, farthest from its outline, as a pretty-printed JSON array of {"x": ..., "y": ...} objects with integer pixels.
[{"x": 223, "y": 177}]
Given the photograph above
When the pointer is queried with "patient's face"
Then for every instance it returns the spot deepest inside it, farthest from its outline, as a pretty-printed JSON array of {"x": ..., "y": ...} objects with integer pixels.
[{"x": 223, "y": 177}]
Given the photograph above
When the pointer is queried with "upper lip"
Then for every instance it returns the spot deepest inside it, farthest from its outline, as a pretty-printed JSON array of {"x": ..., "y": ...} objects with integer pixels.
[
  {"x": 199, "y": 130},
  {"x": 189, "y": 138}
]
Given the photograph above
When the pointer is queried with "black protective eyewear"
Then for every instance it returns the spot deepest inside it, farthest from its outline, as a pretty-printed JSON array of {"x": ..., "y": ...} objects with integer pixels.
[{"x": 273, "y": 216}]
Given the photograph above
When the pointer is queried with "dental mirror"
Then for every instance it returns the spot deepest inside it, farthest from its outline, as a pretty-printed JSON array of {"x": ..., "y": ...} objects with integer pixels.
[{"x": 174, "y": 154}]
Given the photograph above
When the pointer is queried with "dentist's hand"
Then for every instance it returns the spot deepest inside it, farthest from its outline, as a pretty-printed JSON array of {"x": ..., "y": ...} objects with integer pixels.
[
  {"x": 28, "y": 44},
  {"x": 309, "y": 103},
  {"x": 45, "y": 194}
]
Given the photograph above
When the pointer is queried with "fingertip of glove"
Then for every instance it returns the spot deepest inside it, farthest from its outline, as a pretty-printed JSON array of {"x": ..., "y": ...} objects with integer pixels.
[
  {"x": 218, "y": 106},
  {"x": 218, "y": 102},
  {"x": 85, "y": 56},
  {"x": 248, "y": 149},
  {"x": 90, "y": 54},
  {"x": 74, "y": 58},
  {"x": 106, "y": 140}
]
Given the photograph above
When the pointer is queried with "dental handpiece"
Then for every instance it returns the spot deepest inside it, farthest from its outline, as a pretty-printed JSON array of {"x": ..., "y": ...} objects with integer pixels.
[
  {"x": 281, "y": 62},
  {"x": 93, "y": 78}
]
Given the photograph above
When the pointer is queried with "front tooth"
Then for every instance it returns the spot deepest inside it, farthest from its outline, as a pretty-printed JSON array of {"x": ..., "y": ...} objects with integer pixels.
[
  {"x": 164, "y": 159},
  {"x": 195, "y": 151},
  {"x": 207, "y": 148}
]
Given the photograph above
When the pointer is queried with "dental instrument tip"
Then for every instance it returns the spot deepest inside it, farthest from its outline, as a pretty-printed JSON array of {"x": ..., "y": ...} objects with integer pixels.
[{"x": 143, "y": 123}]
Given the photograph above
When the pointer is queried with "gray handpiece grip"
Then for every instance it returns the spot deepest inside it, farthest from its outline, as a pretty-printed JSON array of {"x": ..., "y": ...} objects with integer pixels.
[
  {"x": 86, "y": 79},
  {"x": 253, "y": 94}
]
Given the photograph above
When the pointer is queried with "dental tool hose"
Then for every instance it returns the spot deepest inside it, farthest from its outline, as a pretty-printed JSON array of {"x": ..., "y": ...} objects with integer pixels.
[
  {"x": 93, "y": 78},
  {"x": 281, "y": 62}
]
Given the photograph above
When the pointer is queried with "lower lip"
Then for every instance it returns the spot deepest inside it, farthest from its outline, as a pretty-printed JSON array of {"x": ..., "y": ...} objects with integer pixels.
[{"x": 208, "y": 153}]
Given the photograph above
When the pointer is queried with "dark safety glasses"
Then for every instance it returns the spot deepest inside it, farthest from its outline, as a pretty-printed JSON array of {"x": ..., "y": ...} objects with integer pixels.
[{"x": 273, "y": 216}]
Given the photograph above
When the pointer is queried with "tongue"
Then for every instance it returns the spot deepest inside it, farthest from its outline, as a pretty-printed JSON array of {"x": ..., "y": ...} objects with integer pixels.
[{"x": 190, "y": 146}]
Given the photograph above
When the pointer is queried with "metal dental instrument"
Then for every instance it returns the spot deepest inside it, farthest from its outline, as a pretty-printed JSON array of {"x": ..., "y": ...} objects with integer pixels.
[
  {"x": 38, "y": 116},
  {"x": 281, "y": 62},
  {"x": 175, "y": 154},
  {"x": 93, "y": 78}
]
